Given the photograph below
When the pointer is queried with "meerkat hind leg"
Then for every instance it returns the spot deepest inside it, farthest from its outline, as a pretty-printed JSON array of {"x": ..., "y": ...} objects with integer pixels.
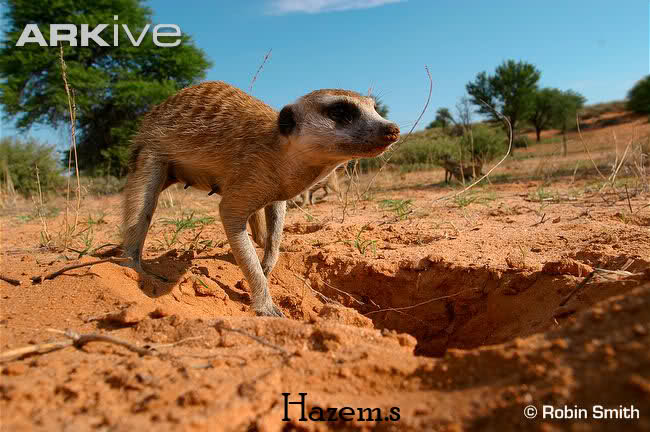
[
  {"x": 141, "y": 201},
  {"x": 275, "y": 213}
]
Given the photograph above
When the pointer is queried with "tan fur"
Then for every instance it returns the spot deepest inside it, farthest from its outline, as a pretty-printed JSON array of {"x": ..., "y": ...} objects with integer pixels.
[{"x": 214, "y": 137}]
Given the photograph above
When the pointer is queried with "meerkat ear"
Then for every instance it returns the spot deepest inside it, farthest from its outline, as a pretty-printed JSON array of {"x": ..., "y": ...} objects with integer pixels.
[{"x": 286, "y": 120}]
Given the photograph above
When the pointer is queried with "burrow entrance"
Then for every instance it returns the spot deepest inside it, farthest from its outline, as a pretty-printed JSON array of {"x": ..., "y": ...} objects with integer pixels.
[{"x": 449, "y": 306}]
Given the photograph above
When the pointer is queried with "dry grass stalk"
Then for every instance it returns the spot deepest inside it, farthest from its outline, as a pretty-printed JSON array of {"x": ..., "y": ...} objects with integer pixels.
[
  {"x": 259, "y": 69},
  {"x": 45, "y": 235},
  {"x": 584, "y": 144},
  {"x": 72, "y": 108}
]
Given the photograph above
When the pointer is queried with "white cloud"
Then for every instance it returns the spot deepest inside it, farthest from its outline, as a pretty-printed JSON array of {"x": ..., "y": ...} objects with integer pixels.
[{"x": 280, "y": 7}]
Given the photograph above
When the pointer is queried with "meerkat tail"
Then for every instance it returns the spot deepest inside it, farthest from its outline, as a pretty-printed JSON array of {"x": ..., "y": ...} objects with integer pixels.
[{"x": 258, "y": 227}]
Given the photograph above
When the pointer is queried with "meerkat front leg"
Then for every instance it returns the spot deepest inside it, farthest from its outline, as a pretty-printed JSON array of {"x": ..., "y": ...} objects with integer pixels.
[
  {"x": 234, "y": 219},
  {"x": 275, "y": 213}
]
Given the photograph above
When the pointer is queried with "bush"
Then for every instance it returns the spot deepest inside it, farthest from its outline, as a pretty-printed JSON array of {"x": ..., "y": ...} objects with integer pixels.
[
  {"x": 489, "y": 142},
  {"x": 638, "y": 98},
  {"x": 521, "y": 141},
  {"x": 421, "y": 151},
  {"x": 22, "y": 157},
  {"x": 104, "y": 185}
]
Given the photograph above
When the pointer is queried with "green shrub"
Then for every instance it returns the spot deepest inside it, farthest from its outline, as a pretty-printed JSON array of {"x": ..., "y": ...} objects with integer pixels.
[
  {"x": 421, "y": 151},
  {"x": 488, "y": 143},
  {"x": 104, "y": 185},
  {"x": 521, "y": 141},
  {"x": 22, "y": 157},
  {"x": 638, "y": 98}
]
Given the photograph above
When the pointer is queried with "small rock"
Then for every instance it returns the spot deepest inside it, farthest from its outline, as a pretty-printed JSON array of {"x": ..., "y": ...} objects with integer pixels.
[
  {"x": 344, "y": 315},
  {"x": 567, "y": 266}
]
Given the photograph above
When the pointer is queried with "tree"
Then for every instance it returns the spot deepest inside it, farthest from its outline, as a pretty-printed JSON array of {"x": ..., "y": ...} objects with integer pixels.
[
  {"x": 114, "y": 85},
  {"x": 509, "y": 91},
  {"x": 567, "y": 105},
  {"x": 545, "y": 105},
  {"x": 443, "y": 119},
  {"x": 638, "y": 98},
  {"x": 380, "y": 107}
]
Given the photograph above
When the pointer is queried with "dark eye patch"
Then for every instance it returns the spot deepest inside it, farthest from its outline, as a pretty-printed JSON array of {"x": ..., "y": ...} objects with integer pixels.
[{"x": 343, "y": 112}]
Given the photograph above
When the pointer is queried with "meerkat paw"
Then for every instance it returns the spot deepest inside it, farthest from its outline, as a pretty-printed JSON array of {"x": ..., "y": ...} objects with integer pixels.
[
  {"x": 137, "y": 266},
  {"x": 269, "y": 309},
  {"x": 155, "y": 275}
]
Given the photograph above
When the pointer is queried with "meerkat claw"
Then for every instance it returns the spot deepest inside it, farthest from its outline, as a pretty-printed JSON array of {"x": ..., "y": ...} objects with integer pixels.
[{"x": 271, "y": 311}]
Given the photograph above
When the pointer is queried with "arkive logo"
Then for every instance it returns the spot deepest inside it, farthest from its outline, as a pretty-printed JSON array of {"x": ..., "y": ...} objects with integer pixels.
[{"x": 69, "y": 32}]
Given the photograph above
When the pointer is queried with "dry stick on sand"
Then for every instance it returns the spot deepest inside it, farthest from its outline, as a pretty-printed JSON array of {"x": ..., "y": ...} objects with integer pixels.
[
  {"x": 219, "y": 325},
  {"x": 396, "y": 146},
  {"x": 577, "y": 288},
  {"x": 318, "y": 294},
  {"x": 39, "y": 279},
  {"x": 79, "y": 340},
  {"x": 604, "y": 273},
  {"x": 7, "y": 279},
  {"x": 73, "y": 147},
  {"x": 259, "y": 69}
]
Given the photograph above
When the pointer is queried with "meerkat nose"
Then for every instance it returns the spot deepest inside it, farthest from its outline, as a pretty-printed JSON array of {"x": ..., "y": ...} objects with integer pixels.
[{"x": 391, "y": 133}]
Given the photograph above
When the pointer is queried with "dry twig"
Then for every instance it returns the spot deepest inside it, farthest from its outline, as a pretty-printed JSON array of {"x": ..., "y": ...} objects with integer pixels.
[
  {"x": 39, "y": 279},
  {"x": 219, "y": 325},
  {"x": 14, "y": 282},
  {"x": 79, "y": 340}
]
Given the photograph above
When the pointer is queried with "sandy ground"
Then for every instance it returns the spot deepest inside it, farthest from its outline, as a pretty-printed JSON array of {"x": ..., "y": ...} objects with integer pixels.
[{"x": 438, "y": 314}]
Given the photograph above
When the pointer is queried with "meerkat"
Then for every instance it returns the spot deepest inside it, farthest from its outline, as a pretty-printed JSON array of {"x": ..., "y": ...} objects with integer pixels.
[
  {"x": 330, "y": 184},
  {"x": 458, "y": 170},
  {"x": 216, "y": 138}
]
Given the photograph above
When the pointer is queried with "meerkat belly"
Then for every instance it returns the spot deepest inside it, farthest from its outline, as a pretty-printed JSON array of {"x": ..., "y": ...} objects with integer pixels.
[{"x": 202, "y": 179}]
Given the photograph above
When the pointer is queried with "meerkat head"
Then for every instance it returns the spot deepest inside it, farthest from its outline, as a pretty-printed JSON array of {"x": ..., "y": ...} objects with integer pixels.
[{"x": 337, "y": 124}]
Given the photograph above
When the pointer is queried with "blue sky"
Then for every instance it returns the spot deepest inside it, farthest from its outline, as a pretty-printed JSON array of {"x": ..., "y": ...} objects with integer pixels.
[{"x": 599, "y": 48}]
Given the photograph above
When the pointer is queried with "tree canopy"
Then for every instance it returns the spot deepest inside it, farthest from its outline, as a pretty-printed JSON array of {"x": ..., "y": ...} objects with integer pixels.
[
  {"x": 113, "y": 85},
  {"x": 509, "y": 91},
  {"x": 638, "y": 98},
  {"x": 443, "y": 119},
  {"x": 545, "y": 106}
]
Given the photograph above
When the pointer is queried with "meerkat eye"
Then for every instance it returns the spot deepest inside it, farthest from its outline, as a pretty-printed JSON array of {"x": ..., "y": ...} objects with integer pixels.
[{"x": 342, "y": 112}]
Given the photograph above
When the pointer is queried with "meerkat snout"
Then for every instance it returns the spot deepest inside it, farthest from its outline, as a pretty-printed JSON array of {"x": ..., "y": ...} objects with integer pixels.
[
  {"x": 338, "y": 124},
  {"x": 391, "y": 133}
]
